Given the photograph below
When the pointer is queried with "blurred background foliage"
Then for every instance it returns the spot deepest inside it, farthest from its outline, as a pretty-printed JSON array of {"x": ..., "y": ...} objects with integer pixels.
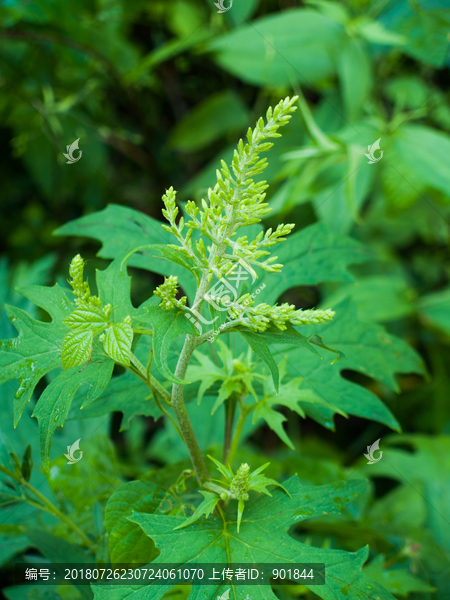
[{"x": 157, "y": 92}]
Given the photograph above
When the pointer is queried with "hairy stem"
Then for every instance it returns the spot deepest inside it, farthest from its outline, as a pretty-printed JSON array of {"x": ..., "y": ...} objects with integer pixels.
[
  {"x": 164, "y": 411},
  {"x": 181, "y": 413}
]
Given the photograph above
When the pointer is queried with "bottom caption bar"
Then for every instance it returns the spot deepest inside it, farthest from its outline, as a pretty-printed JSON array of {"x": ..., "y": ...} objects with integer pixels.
[{"x": 170, "y": 574}]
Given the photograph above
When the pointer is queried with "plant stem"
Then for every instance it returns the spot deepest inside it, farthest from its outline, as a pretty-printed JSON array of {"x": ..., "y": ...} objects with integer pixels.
[
  {"x": 48, "y": 506},
  {"x": 230, "y": 409},
  {"x": 51, "y": 508},
  {"x": 164, "y": 411},
  {"x": 155, "y": 387},
  {"x": 181, "y": 413},
  {"x": 151, "y": 382},
  {"x": 190, "y": 343},
  {"x": 244, "y": 411},
  {"x": 149, "y": 364}
]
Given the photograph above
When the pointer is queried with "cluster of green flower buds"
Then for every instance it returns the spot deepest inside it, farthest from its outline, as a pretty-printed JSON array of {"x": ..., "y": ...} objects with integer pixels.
[
  {"x": 81, "y": 288},
  {"x": 235, "y": 201},
  {"x": 167, "y": 291},
  {"x": 240, "y": 484},
  {"x": 262, "y": 316}
]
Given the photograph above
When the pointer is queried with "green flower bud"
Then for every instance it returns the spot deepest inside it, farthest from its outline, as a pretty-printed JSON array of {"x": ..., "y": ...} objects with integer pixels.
[
  {"x": 76, "y": 269},
  {"x": 167, "y": 292},
  {"x": 241, "y": 482}
]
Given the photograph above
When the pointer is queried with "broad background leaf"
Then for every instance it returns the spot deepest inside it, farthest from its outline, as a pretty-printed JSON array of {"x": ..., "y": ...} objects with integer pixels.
[{"x": 263, "y": 538}]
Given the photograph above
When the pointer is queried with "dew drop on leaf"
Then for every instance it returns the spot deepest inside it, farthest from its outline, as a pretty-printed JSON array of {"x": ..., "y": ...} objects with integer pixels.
[
  {"x": 303, "y": 512},
  {"x": 22, "y": 388},
  {"x": 12, "y": 344}
]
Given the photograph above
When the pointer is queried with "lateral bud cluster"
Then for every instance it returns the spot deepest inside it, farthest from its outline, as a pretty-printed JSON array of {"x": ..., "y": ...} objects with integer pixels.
[
  {"x": 262, "y": 316},
  {"x": 240, "y": 484},
  {"x": 167, "y": 291},
  {"x": 81, "y": 288}
]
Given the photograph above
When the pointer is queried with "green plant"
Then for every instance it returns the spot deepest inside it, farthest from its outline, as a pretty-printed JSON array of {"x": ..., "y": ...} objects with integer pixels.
[{"x": 91, "y": 335}]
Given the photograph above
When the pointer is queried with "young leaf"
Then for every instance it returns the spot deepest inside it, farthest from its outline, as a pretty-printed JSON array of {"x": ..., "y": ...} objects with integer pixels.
[
  {"x": 226, "y": 472},
  {"x": 207, "y": 372},
  {"x": 166, "y": 325},
  {"x": 114, "y": 288},
  {"x": 259, "y": 343},
  {"x": 236, "y": 375},
  {"x": 291, "y": 395},
  {"x": 88, "y": 318},
  {"x": 240, "y": 512},
  {"x": 76, "y": 348},
  {"x": 117, "y": 342},
  {"x": 205, "y": 508},
  {"x": 259, "y": 482}
]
